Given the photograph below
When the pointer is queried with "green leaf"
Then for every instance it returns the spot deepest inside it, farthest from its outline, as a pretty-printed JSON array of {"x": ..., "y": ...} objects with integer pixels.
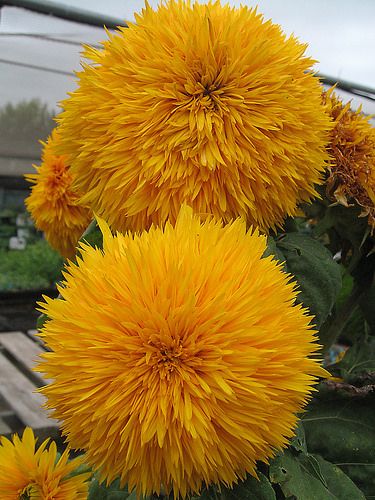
[
  {"x": 312, "y": 465},
  {"x": 299, "y": 440},
  {"x": 93, "y": 236},
  {"x": 355, "y": 328},
  {"x": 318, "y": 275},
  {"x": 295, "y": 480},
  {"x": 81, "y": 469},
  {"x": 354, "y": 325},
  {"x": 41, "y": 320},
  {"x": 338, "y": 482},
  {"x": 364, "y": 272},
  {"x": 326, "y": 222},
  {"x": 307, "y": 477},
  {"x": 347, "y": 224},
  {"x": 251, "y": 489},
  {"x": 346, "y": 288},
  {"x": 367, "y": 305},
  {"x": 342, "y": 430},
  {"x": 272, "y": 249},
  {"x": 358, "y": 360},
  {"x": 99, "y": 491}
]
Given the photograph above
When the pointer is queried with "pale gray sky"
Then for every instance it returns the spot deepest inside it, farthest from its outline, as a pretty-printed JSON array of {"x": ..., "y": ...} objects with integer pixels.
[{"x": 340, "y": 34}]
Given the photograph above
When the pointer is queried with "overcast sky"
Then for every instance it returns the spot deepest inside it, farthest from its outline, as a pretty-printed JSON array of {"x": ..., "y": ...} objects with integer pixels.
[{"x": 340, "y": 34}]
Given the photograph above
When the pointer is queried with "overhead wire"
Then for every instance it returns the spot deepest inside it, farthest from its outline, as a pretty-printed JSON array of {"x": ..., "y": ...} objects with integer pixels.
[
  {"x": 48, "y": 38},
  {"x": 66, "y": 12},
  {"x": 351, "y": 87},
  {"x": 36, "y": 67}
]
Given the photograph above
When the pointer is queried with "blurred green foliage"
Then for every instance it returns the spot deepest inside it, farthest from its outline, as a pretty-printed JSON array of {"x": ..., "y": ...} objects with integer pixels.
[{"x": 36, "y": 267}]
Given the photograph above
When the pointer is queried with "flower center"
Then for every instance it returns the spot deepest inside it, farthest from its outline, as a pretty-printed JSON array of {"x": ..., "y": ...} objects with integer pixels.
[
  {"x": 209, "y": 97},
  {"x": 58, "y": 182},
  {"x": 29, "y": 492},
  {"x": 170, "y": 357},
  {"x": 166, "y": 358}
]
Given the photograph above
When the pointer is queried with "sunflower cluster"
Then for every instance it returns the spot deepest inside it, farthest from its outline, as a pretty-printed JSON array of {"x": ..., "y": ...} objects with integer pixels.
[
  {"x": 352, "y": 149},
  {"x": 53, "y": 204},
  {"x": 178, "y": 354},
  {"x": 27, "y": 472}
]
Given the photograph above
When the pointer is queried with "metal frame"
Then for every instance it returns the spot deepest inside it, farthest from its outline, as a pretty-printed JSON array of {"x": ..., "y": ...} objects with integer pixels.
[
  {"x": 65, "y": 12},
  {"x": 86, "y": 17}
]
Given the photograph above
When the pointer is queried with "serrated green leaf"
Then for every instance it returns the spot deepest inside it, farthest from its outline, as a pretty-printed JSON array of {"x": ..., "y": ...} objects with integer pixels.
[
  {"x": 342, "y": 430},
  {"x": 317, "y": 274},
  {"x": 308, "y": 477}
]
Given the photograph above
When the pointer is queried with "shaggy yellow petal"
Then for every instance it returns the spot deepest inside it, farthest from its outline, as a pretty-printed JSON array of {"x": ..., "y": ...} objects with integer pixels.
[
  {"x": 53, "y": 204},
  {"x": 38, "y": 474},
  {"x": 178, "y": 356},
  {"x": 207, "y": 105}
]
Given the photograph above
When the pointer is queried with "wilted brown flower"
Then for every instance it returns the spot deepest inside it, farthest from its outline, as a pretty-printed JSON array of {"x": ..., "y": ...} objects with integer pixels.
[{"x": 352, "y": 149}]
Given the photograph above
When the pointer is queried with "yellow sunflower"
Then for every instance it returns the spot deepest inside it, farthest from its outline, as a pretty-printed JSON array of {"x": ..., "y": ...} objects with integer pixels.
[
  {"x": 178, "y": 355},
  {"x": 204, "y": 104},
  {"x": 352, "y": 149},
  {"x": 53, "y": 204},
  {"x": 32, "y": 473}
]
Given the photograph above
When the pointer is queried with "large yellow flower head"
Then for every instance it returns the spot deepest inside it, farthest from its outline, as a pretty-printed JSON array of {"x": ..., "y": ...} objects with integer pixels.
[
  {"x": 352, "y": 149},
  {"x": 203, "y": 104},
  {"x": 53, "y": 203},
  {"x": 178, "y": 355},
  {"x": 27, "y": 472}
]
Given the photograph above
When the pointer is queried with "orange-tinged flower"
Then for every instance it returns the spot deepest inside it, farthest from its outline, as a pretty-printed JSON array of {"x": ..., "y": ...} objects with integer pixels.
[
  {"x": 200, "y": 104},
  {"x": 178, "y": 355},
  {"x": 53, "y": 203},
  {"x": 352, "y": 149},
  {"x": 27, "y": 472}
]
